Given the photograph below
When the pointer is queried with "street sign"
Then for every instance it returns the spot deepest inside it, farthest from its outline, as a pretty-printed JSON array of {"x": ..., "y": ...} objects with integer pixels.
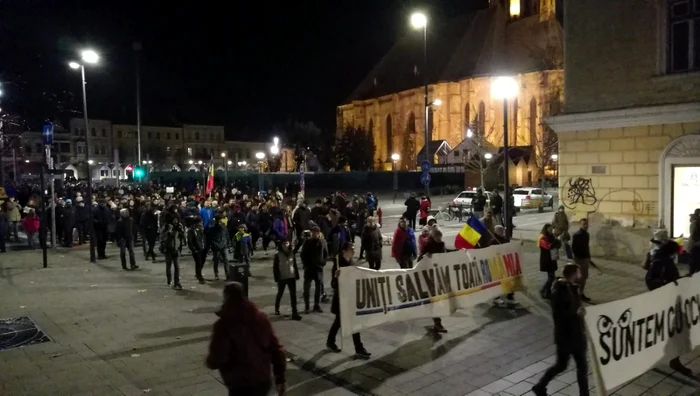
[
  {"x": 47, "y": 134},
  {"x": 425, "y": 179},
  {"x": 425, "y": 166}
]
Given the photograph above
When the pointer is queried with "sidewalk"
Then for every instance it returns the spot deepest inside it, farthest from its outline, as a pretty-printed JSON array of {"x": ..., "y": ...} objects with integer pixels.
[{"x": 126, "y": 333}]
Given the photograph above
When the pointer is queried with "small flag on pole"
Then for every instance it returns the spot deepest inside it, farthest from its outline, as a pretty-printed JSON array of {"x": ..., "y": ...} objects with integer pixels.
[{"x": 469, "y": 237}]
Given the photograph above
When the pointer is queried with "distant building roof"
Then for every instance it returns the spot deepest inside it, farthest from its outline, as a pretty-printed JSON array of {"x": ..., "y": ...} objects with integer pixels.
[{"x": 437, "y": 147}]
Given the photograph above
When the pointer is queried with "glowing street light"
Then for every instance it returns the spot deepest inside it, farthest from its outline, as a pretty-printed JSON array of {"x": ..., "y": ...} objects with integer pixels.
[
  {"x": 395, "y": 157},
  {"x": 488, "y": 156},
  {"x": 89, "y": 56},
  {"x": 260, "y": 155},
  {"x": 223, "y": 155},
  {"x": 504, "y": 87},
  {"x": 26, "y": 161},
  {"x": 419, "y": 20},
  {"x": 74, "y": 65},
  {"x": 230, "y": 162},
  {"x": 437, "y": 102},
  {"x": 470, "y": 134},
  {"x": 191, "y": 162},
  {"x": 275, "y": 140},
  {"x": 274, "y": 150},
  {"x": 200, "y": 162},
  {"x": 555, "y": 157},
  {"x": 90, "y": 162}
]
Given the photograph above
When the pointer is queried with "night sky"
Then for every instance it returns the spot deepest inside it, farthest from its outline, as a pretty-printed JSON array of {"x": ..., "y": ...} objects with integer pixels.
[{"x": 248, "y": 66}]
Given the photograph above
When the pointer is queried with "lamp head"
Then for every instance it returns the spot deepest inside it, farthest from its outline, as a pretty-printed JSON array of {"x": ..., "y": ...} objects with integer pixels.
[
  {"x": 89, "y": 56},
  {"x": 191, "y": 162},
  {"x": 223, "y": 155},
  {"x": 275, "y": 140},
  {"x": 437, "y": 102},
  {"x": 488, "y": 156},
  {"x": 395, "y": 157},
  {"x": 418, "y": 20},
  {"x": 259, "y": 155},
  {"x": 504, "y": 88},
  {"x": 555, "y": 157},
  {"x": 470, "y": 134},
  {"x": 74, "y": 65},
  {"x": 229, "y": 162},
  {"x": 274, "y": 150}
]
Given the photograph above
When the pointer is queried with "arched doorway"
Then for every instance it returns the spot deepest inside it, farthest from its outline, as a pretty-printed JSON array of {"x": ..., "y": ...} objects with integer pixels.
[
  {"x": 388, "y": 136},
  {"x": 679, "y": 169}
]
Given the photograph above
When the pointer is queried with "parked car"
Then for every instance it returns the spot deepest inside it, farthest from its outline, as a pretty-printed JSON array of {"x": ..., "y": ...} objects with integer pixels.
[
  {"x": 465, "y": 198},
  {"x": 531, "y": 197}
]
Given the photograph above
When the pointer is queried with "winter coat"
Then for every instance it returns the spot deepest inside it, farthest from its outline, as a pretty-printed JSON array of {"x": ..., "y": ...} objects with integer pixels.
[
  {"x": 31, "y": 224},
  {"x": 412, "y": 206},
  {"x": 13, "y": 213},
  {"x": 312, "y": 257},
  {"x": 568, "y": 324},
  {"x": 195, "y": 239},
  {"x": 301, "y": 218},
  {"x": 404, "y": 244},
  {"x": 335, "y": 303},
  {"x": 580, "y": 244},
  {"x": 479, "y": 202},
  {"x": 102, "y": 217},
  {"x": 234, "y": 220},
  {"x": 372, "y": 242},
  {"x": 694, "y": 237},
  {"x": 252, "y": 220},
  {"x": 242, "y": 246},
  {"x": 4, "y": 223},
  {"x": 169, "y": 237},
  {"x": 496, "y": 204},
  {"x": 207, "y": 215},
  {"x": 560, "y": 223},
  {"x": 264, "y": 221},
  {"x": 424, "y": 208},
  {"x": 149, "y": 223},
  {"x": 68, "y": 219},
  {"x": 219, "y": 237},
  {"x": 660, "y": 266},
  {"x": 279, "y": 228},
  {"x": 244, "y": 347},
  {"x": 339, "y": 235},
  {"x": 125, "y": 229},
  {"x": 285, "y": 266},
  {"x": 549, "y": 247},
  {"x": 82, "y": 213}
]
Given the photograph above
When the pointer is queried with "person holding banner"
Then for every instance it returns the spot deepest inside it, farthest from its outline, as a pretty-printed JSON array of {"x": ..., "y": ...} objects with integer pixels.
[
  {"x": 549, "y": 254},
  {"x": 403, "y": 245},
  {"x": 435, "y": 245},
  {"x": 344, "y": 260},
  {"x": 582, "y": 255},
  {"x": 569, "y": 333}
]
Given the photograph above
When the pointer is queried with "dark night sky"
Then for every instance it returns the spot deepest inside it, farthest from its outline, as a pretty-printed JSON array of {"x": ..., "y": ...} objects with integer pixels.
[{"x": 247, "y": 66}]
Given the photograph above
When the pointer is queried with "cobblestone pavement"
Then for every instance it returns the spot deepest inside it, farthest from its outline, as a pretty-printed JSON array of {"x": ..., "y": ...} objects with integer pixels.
[{"x": 126, "y": 333}]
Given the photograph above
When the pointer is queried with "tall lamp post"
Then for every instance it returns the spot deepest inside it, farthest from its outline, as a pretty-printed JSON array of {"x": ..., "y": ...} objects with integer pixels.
[
  {"x": 555, "y": 159},
  {"x": 260, "y": 156},
  {"x": 395, "y": 157},
  {"x": 420, "y": 21},
  {"x": 223, "y": 156},
  {"x": 91, "y": 57},
  {"x": 505, "y": 88},
  {"x": 275, "y": 148}
]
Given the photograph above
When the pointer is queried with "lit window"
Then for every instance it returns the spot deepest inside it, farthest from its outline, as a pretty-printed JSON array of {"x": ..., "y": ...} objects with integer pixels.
[
  {"x": 167, "y": 149},
  {"x": 683, "y": 35},
  {"x": 189, "y": 151}
]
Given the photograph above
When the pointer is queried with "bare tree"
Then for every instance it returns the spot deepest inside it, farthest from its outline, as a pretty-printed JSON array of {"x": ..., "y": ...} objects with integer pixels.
[
  {"x": 480, "y": 152},
  {"x": 546, "y": 143}
]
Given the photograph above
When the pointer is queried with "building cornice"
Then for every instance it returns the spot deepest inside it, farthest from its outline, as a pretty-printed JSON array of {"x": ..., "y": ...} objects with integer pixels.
[{"x": 632, "y": 117}]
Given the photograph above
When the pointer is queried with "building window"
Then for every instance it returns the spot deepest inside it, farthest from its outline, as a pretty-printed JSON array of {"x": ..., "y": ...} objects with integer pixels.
[
  {"x": 189, "y": 151},
  {"x": 683, "y": 35},
  {"x": 93, "y": 132},
  {"x": 119, "y": 133},
  {"x": 196, "y": 135},
  {"x": 168, "y": 136},
  {"x": 103, "y": 150},
  {"x": 158, "y": 135},
  {"x": 177, "y": 136},
  {"x": 104, "y": 173},
  {"x": 104, "y": 132},
  {"x": 28, "y": 149}
]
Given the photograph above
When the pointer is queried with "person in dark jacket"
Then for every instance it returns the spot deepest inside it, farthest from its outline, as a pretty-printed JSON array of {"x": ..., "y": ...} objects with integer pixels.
[
  {"x": 102, "y": 216},
  {"x": 252, "y": 221},
  {"x": 149, "y": 226},
  {"x": 244, "y": 347},
  {"x": 195, "y": 241},
  {"x": 371, "y": 240},
  {"x": 172, "y": 233},
  {"x": 661, "y": 270},
  {"x": 313, "y": 260},
  {"x": 236, "y": 217},
  {"x": 569, "y": 332},
  {"x": 549, "y": 254},
  {"x": 265, "y": 221},
  {"x": 412, "y": 207},
  {"x": 220, "y": 242},
  {"x": 582, "y": 255},
  {"x": 435, "y": 245},
  {"x": 124, "y": 233},
  {"x": 403, "y": 245},
  {"x": 286, "y": 274},
  {"x": 300, "y": 219},
  {"x": 68, "y": 224},
  {"x": 345, "y": 260},
  {"x": 496, "y": 204},
  {"x": 4, "y": 227},
  {"x": 479, "y": 203},
  {"x": 81, "y": 220}
]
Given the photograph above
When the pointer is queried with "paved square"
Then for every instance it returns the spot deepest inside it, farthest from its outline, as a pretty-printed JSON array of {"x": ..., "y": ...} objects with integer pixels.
[{"x": 127, "y": 333}]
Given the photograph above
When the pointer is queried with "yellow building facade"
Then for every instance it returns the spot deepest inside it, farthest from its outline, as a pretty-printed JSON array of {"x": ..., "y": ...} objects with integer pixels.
[
  {"x": 629, "y": 143},
  {"x": 470, "y": 52}
]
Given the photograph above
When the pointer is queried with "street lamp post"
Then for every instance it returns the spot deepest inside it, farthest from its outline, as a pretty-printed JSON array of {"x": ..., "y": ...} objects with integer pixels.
[
  {"x": 395, "y": 157},
  {"x": 87, "y": 56},
  {"x": 505, "y": 88},
  {"x": 555, "y": 159},
  {"x": 419, "y": 20},
  {"x": 260, "y": 156},
  {"x": 223, "y": 156}
]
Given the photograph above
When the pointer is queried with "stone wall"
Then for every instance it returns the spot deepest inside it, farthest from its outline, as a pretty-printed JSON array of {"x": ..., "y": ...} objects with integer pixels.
[
  {"x": 615, "y": 61},
  {"x": 450, "y": 119},
  {"x": 611, "y": 176}
]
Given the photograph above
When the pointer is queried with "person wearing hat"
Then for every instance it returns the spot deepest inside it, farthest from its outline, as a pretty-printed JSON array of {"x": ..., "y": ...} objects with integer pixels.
[{"x": 412, "y": 207}]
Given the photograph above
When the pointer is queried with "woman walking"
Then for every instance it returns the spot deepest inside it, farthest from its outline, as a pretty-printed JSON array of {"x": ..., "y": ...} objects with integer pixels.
[
  {"x": 549, "y": 254},
  {"x": 286, "y": 274},
  {"x": 244, "y": 347}
]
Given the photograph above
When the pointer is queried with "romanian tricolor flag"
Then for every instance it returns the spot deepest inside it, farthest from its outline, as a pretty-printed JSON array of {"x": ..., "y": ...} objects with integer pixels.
[
  {"x": 470, "y": 234},
  {"x": 210, "y": 181}
]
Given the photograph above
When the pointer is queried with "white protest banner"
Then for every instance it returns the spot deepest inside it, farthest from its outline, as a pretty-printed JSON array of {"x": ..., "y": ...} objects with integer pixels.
[
  {"x": 633, "y": 335},
  {"x": 435, "y": 287}
]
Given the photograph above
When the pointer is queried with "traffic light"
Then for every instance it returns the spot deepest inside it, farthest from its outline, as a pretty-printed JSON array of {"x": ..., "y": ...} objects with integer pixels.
[{"x": 138, "y": 173}]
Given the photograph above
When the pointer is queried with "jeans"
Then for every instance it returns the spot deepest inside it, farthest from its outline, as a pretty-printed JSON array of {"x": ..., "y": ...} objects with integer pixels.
[
  {"x": 82, "y": 227},
  {"x": 125, "y": 245},
  {"x": 546, "y": 289},
  {"x": 219, "y": 255},
  {"x": 578, "y": 350},
  {"x": 31, "y": 240},
  {"x": 356, "y": 340},
  {"x": 317, "y": 290},
  {"x": 151, "y": 242},
  {"x": 14, "y": 226},
  {"x": 172, "y": 260},
  {"x": 265, "y": 240},
  {"x": 198, "y": 257},
  {"x": 292, "y": 284},
  {"x": 583, "y": 265}
]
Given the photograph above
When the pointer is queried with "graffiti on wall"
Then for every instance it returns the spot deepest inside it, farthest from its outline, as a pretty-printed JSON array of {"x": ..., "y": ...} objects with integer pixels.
[{"x": 580, "y": 191}]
